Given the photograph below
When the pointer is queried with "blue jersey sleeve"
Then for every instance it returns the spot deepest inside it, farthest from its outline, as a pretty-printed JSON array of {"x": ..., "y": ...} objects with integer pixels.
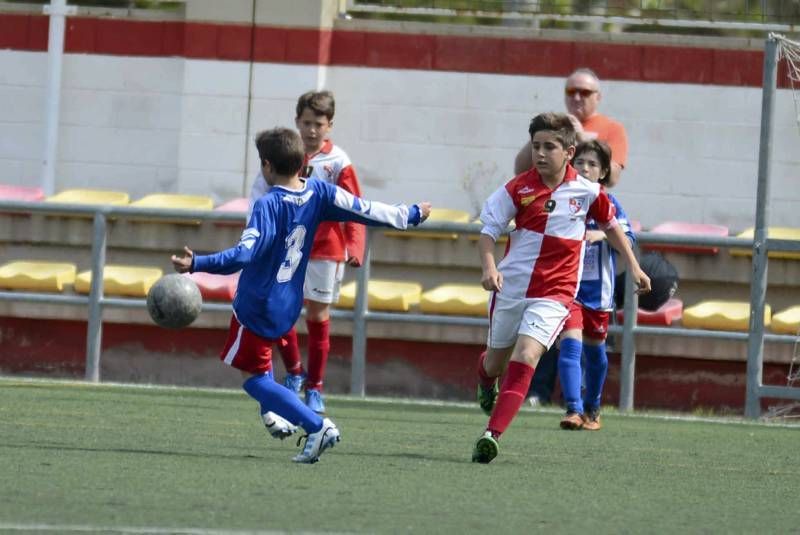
[
  {"x": 342, "y": 205},
  {"x": 255, "y": 238},
  {"x": 622, "y": 219}
]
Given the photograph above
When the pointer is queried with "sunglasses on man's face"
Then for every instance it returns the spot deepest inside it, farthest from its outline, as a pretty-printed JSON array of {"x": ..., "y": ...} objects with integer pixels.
[{"x": 584, "y": 93}]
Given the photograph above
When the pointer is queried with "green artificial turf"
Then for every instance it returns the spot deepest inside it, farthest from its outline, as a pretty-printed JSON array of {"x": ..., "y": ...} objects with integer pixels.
[{"x": 95, "y": 457}]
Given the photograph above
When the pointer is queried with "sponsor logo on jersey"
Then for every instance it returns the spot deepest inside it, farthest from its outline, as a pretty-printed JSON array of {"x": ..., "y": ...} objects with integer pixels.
[
  {"x": 299, "y": 200},
  {"x": 549, "y": 206},
  {"x": 307, "y": 171}
]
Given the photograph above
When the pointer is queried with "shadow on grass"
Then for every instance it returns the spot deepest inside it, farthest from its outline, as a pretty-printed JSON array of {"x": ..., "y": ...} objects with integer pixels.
[{"x": 86, "y": 449}]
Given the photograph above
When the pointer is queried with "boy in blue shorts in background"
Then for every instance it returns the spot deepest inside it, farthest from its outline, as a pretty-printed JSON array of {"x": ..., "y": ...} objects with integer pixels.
[{"x": 586, "y": 327}]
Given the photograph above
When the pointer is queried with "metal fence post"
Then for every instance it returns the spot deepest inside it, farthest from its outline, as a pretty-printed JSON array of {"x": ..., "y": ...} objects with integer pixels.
[
  {"x": 758, "y": 285},
  {"x": 358, "y": 362},
  {"x": 94, "y": 333},
  {"x": 627, "y": 368}
]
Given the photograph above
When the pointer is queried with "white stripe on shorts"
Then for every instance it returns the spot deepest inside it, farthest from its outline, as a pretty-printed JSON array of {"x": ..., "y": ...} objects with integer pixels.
[{"x": 234, "y": 347}]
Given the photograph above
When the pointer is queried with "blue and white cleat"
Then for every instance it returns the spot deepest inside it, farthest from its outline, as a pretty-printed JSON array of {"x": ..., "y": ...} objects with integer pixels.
[
  {"x": 278, "y": 426},
  {"x": 315, "y": 401},
  {"x": 318, "y": 442},
  {"x": 295, "y": 382}
]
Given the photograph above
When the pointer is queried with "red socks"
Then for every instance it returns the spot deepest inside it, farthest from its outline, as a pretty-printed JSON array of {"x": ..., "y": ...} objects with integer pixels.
[
  {"x": 512, "y": 394},
  {"x": 290, "y": 352},
  {"x": 319, "y": 346}
]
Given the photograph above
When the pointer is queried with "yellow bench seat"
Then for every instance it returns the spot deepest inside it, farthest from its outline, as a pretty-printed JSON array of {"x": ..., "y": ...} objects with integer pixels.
[
  {"x": 776, "y": 233},
  {"x": 438, "y": 215},
  {"x": 787, "y": 321},
  {"x": 90, "y": 196},
  {"x": 37, "y": 276},
  {"x": 458, "y": 299},
  {"x": 721, "y": 315},
  {"x": 386, "y": 295},
  {"x": 173, "y": 201},
  {"x": 130, "y": 281}
]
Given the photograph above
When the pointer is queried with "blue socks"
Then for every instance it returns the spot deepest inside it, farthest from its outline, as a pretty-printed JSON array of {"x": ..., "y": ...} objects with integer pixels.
[
  {"x": 569, "y": 373},
  {"x": 596, "y": 370},
  {"x": 280, "y": 400}
]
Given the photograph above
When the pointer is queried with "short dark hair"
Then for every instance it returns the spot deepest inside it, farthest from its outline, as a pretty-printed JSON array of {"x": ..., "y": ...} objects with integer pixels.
[
  {"x": 319, "y": 102},
  {"x": 558, "y": 123},
  {"x": 603, "y": 152},
  {"x": 282, "y": 148}
]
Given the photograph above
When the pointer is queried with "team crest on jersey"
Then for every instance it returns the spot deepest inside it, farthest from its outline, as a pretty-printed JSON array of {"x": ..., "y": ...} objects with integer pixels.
[
  {"x": 576, "y": 204},
  {"x": 328, "y": 170},
  {"x": 299, "y": 200}
]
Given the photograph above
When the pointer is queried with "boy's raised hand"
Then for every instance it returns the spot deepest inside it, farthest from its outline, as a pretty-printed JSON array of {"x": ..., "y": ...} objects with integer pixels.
[
  {"x": 183, "y": 264},
  {"x": 424, "y": 210}
]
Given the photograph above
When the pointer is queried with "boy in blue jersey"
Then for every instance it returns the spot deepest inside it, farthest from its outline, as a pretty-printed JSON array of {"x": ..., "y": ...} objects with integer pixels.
[
  {"x": 586, "y": 328},
  {"x": 272, "y": 255}
]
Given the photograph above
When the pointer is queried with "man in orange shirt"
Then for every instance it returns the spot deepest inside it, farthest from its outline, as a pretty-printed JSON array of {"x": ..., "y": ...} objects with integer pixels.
[{"x": 582, "y": 97}]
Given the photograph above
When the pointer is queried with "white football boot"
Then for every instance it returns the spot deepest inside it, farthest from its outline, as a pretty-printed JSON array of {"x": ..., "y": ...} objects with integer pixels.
[
  {"x": 278, "y": 426},
  {"x": 316, "y": 443}
]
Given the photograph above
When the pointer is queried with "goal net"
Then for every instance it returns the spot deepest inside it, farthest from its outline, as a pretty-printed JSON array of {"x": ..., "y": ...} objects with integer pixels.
[{"x": 789, "y": 58}]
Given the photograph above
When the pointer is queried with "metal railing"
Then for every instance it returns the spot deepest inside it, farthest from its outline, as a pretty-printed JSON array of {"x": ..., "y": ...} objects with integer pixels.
[
  {"x": 715, "y": 15},
  {"x": 361, "y": 315}
]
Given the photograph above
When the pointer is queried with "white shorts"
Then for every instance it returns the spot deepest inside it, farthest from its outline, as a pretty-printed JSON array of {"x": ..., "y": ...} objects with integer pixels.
[
  {"x": 323, "y": 281},
  {"x": 541, "y": 319}
]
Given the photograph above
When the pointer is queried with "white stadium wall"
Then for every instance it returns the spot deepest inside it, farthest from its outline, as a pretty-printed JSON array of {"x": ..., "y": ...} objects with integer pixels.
[{"x": 178, "y": 124}]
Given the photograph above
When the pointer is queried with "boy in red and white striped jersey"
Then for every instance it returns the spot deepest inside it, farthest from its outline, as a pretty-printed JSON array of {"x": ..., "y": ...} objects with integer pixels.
[{"x": 537, "y": 280}]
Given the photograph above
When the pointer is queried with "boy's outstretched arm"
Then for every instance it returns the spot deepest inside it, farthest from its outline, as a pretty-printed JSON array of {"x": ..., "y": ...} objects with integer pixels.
[
  {"x": 348, "y": 207},
  {"x": 619, "y": 241}
]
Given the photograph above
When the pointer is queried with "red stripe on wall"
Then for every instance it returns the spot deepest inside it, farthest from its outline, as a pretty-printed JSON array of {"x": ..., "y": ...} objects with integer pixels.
[{"x": 236, "y": 42}]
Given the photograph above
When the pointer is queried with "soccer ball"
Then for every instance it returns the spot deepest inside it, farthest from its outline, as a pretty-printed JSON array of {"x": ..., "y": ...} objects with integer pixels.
[{"x": 174, "y": 301}]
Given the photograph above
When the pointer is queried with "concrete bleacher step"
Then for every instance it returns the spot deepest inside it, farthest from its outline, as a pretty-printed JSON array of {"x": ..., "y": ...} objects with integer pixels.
[
  {"x": 127, "y": 281},
  {"x": 90, "y": 196},
  {"x": 777, "y": 233},
  {"x": 665, "y": 315},
  {"x": 684, "y": 228},
  {"x": 37, "y": 276},
  {"x": 20, "y": 193},
  {"x": 438, "y": 215},
  {"x": 787, "y": 321},
  {"x": 385, "y": 295},
  {"x": 457, "y": 299},
  {"x": 721, "y": 315},
  {"x": 215, "y": 287}
]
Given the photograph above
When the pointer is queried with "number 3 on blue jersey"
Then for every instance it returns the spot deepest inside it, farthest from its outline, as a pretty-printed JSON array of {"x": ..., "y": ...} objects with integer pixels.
[{"x": 294, "y": 253}]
